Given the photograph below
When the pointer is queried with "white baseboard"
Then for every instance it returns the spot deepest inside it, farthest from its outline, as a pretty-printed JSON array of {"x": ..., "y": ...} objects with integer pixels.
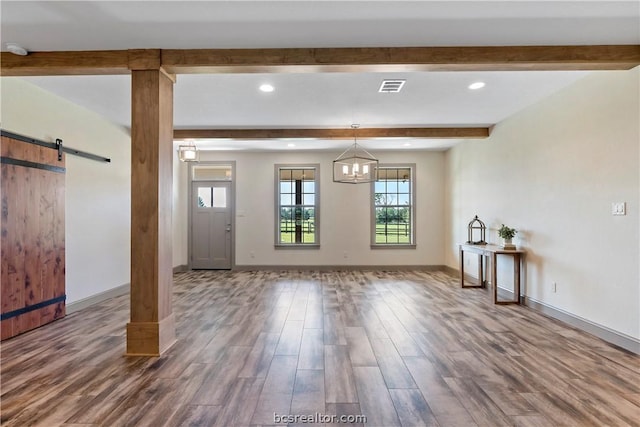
[
  {"x": 180, "y": 268},
  {"x": 616, "y": 338},
  {"x": 621, "y": 340},
  {"x": 97, "y": 298},
  {"x": 111, "y": 293}
]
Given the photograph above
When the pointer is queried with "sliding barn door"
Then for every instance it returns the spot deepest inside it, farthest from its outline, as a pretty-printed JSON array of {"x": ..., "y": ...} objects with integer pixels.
[{"x": 33, "y": 261}]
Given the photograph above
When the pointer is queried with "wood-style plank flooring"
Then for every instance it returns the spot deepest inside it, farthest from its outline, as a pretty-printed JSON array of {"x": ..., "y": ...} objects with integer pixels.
[{"x": 401, "y": 348}]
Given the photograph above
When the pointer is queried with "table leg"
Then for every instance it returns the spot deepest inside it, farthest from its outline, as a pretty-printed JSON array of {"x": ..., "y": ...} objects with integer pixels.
[
  {"x": 462, "y": 284},
  {"x": 494, "y": 277},
  {"x": 480, "y": 270},
  {"x": 516, "y": 278},
  {"x": 461, "y": 268}
]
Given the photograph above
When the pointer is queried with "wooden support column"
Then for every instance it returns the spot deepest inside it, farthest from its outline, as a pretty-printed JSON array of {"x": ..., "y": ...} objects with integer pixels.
[{"x": 151, "y": 329}]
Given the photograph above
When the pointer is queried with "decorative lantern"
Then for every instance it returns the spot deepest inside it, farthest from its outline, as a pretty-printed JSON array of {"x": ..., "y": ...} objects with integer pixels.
[
  {"x": 356, "y": 165},
  {"x": 188, "y": 153},
  {"x": 475, "y": 228}
]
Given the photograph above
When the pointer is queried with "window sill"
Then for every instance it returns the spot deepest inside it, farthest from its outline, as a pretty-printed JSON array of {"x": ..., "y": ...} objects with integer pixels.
[
  {"x": 294, "y": 246},
  {"x": 392, "y": 246}
]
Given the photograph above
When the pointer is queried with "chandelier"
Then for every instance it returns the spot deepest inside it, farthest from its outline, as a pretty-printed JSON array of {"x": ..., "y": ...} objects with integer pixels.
[{"x": 356, "y": 165}]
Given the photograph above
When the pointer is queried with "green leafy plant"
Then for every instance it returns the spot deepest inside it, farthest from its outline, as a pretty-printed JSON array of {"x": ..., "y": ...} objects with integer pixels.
[{"x": 507, "y": 232}]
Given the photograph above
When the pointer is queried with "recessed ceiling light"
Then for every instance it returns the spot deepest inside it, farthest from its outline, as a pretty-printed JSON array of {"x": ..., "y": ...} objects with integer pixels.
[
  {"x": 267, "y": 88},
  {"x": 291, "y": 144},
  {"x": 407, "y": 144},
  {"x": 476, "y": 85},
  {"x": 17, "y": 49}
]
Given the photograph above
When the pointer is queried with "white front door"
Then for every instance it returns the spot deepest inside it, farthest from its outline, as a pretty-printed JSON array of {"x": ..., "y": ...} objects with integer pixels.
[{"x": 211, "y": 225}]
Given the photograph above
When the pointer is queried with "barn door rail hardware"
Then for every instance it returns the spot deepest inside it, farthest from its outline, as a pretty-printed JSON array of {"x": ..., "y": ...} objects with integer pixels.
[{"x": 58, "y": 146}]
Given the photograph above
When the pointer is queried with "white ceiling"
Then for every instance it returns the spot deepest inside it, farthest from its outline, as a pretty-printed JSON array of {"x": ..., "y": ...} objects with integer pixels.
[{"x": 319, "y": 100}]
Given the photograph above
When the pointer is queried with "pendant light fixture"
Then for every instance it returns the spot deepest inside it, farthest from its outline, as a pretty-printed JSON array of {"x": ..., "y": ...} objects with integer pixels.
[
  {"x": 188, "y": 153},
  {"x": 356, "y": 165}
]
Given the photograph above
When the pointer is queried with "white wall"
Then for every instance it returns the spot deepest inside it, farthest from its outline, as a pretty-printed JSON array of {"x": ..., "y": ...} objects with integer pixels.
[
  {"x": 552, "y": 172},
  {"x": 344, "y": 212},
  {"x": 98, "y": 205}
]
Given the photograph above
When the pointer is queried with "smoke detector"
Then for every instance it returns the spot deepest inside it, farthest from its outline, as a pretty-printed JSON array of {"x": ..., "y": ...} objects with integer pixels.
[{"x": 17, "y": 49}]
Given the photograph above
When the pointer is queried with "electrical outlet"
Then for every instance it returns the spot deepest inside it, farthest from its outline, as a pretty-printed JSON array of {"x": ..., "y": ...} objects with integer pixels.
[
  {"x": 345, "y": 254},
  {"x": 618, "y": 208},
  {"x": 252, "y": 254}
]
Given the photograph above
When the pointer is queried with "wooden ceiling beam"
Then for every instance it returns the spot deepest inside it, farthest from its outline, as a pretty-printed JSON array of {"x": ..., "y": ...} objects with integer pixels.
[
  {"x": 95, "y": 62},
  {"x": 396, "y": 59},
  {"x": 89, "y": 62},
  {"x": 426, "y": 132}
]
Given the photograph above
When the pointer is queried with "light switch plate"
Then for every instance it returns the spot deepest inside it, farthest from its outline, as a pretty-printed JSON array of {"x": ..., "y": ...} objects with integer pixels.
[{"x": 618, "y": 208}]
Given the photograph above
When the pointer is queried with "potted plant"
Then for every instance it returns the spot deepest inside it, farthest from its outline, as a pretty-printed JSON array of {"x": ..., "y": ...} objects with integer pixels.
[{"x": 507, "y": 233}]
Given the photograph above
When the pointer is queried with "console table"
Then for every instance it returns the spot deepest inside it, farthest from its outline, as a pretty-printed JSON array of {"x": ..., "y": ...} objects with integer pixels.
[{"x": 492, "y": 252}]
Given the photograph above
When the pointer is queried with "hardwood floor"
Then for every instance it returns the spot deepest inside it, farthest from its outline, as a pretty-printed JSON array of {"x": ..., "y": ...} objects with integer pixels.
[{"x": 401, "y": 348}]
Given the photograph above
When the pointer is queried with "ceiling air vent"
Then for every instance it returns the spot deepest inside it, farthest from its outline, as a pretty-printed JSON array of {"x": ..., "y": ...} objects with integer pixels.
[{"x": 391, "y": 86}]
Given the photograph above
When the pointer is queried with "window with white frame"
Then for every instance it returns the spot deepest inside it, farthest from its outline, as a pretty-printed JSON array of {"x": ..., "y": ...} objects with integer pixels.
[
  {"x": 393, "y": 207},
  {"x": 297, "y": 205}
]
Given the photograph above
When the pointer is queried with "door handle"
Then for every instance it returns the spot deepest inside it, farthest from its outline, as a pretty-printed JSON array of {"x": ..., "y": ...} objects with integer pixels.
[{"x": 229, "y": 228}]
